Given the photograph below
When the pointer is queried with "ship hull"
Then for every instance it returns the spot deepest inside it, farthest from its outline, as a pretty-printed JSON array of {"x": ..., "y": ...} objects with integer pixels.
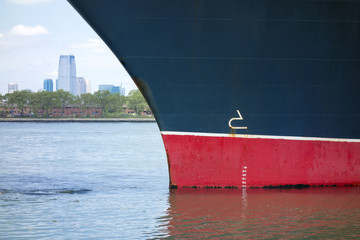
[
  {"x": 219, "y": 160},
  {"x": 269, "y": 87}
]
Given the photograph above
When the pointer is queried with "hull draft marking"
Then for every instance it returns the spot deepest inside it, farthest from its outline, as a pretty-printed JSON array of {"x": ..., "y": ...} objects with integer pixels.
[
  {"x": 239, "y": 118},
  {"x": 244, "y": 170}
]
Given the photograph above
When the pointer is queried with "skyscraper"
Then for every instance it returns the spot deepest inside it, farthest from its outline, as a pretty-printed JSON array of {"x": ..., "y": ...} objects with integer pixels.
[
  {"x": 81, "y": 86},
  {"x": 122, "y": 90},
  {"x": 48, "y": 85},
  {"x": 67, "y": 74},
  {"x": 88, "y": 86},
  {"x": 12, "y": 87}
]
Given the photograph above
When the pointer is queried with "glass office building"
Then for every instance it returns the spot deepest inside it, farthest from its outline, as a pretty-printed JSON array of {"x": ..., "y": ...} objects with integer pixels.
[
  {"x": 113, "y": 89},
  {"x": 48, "y": 85},
  {"x": 81, "y": 86},
  {"x": 67, "y": 74}
]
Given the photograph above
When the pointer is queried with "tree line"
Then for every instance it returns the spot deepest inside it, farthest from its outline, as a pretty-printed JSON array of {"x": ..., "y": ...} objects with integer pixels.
[{"x": 112, "y": 105}]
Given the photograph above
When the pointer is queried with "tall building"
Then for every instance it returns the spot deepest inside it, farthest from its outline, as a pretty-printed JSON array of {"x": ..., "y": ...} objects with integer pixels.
[
  {"x": 122, "y": 90},
  {"x": 80, "y": 86},
  {"x": 12, "y": 87},
  {"x": 88, "y": 86},
  {"x": 67, "y": 74},
  {"x": 113, "y": 89},
  {"x": 48, "y": 85}
]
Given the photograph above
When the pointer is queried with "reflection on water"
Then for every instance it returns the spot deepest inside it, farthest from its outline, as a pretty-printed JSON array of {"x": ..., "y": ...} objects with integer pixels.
[
  {"x": 110, "y": 181},
  {"x": 258, "y": 213}
]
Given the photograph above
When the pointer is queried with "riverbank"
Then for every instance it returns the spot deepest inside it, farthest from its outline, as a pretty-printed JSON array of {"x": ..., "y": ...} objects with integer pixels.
[{"x": 77, "y": 120}]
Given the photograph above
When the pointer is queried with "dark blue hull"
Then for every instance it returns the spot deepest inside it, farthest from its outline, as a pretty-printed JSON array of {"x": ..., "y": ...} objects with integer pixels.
[
  {"x": 292, "y": 68},
  {"x": 286, "y": 72}
]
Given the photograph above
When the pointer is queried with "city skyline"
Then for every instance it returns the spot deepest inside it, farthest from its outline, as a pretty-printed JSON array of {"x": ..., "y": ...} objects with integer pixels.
[{"x": 33, "y": 34}]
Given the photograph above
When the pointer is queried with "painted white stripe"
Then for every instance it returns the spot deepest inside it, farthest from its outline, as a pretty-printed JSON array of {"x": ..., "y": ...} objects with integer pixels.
[{"x": 259, "y": 136}]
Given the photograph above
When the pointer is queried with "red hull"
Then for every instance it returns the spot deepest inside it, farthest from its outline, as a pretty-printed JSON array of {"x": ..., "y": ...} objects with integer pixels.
[{"x": 232, "y": 161}]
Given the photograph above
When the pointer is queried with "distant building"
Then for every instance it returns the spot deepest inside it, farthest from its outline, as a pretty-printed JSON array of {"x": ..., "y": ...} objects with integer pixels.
[
  {"x": 12, "y": 87},
  {"x": 122, "y": 90},
  {"x": 48, "y": 85},
  {"x": 113, "y": 89},
  {"x": 80, "y": 86},
  {"x": 67, "y": 74},
  {"x": 105, "y": 87},
  {"x": 88, "y": 86}
]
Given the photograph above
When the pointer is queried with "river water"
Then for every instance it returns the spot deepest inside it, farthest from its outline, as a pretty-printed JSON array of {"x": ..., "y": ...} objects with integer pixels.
[{"x": 110, "y": 181}]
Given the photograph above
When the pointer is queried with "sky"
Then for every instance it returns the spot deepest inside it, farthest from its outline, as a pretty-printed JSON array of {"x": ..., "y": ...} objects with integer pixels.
[{"x": 34, "y": 33}]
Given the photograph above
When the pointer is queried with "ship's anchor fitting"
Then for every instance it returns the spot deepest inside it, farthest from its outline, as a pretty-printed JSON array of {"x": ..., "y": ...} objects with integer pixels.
[{"x": 239, "y": 118}]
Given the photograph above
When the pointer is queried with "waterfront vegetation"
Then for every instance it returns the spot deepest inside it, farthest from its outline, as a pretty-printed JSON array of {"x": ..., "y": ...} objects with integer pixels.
[{"x": 42, "y": 104}]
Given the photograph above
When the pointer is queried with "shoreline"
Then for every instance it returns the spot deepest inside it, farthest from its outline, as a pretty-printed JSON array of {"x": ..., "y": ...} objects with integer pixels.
[{"x": 77, "y": 120}]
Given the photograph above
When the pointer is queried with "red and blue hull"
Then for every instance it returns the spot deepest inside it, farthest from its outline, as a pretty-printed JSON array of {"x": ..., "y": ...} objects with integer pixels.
[{"x": 246, "y": 93}]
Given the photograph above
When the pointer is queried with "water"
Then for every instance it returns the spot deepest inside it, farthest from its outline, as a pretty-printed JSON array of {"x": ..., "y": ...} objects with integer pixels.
[{"x": 110, "y": 181}]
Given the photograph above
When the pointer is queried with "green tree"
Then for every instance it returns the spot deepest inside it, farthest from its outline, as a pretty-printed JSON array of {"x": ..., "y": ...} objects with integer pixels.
[
  {"x": 35, "y": 103},
  {"x": 2, "y": 113},
  {"x": 116, "y": 103},
  {"x": 10, "y": 103},
  {"x": 136, "y": 101},
  {"x": 85, "y": 101},
  {"x": 44, "y": 101},
  {"x": 63, "y": 99},
  {"x": 103, "y": 100},
  {"x": 89, "y": 100},
  {"x": 78, "y": 102},
  {"x": 20, "y": 99}
]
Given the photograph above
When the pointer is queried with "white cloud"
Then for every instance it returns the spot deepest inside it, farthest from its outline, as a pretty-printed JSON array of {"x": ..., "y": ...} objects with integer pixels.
[
  {"x": 4, "y": 43},
  {"x": 98, "y": 50},
  {"x": 15, "y": 37},
  {"x": 52, "y": 73},
  {"x": 36, "y": 63},
  {"x": 95, "y": 45},
  {"x": 23, "y": 30},
  {"x": 27, "y": 2}
]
